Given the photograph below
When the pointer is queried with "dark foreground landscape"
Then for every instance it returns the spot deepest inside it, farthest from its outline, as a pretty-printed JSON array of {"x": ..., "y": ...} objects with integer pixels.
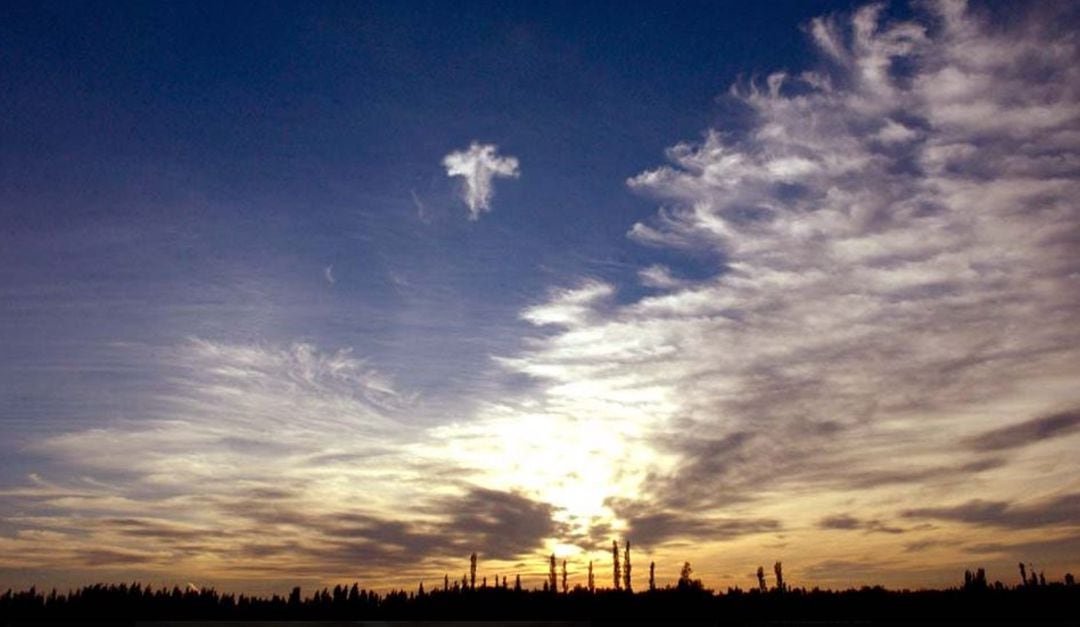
[{"x": 975, "y": 603}]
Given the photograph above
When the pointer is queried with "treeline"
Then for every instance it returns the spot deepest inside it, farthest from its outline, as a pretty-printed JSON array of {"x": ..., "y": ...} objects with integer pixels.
[
  {"x": 1019, "y": 605},
  {"x": 976, "y": 601}
]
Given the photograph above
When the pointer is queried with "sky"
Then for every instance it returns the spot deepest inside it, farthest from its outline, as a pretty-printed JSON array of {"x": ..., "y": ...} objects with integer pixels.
[{"x": 300, "y": 294}]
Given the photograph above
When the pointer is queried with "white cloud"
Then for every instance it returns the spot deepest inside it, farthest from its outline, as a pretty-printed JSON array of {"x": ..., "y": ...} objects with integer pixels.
[
  {"x": 569, "y": 307},
  {"x": 901, "y": 248},
  {"x": 478, "y": 166},
  {"x": 660, "y": 277},
  {"x": 328, "y": 274}
]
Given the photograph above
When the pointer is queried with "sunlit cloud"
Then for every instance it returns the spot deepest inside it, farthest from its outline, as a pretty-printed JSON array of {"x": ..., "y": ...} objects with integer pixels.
[
  {"x": 898, "y": 276},
  {"x": 478, "y": 166}
]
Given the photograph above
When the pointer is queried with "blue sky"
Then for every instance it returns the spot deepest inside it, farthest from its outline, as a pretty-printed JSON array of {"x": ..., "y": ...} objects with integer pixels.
[
  {"x": 232, "y": 253},
  {"x": 176, "y": 171}
]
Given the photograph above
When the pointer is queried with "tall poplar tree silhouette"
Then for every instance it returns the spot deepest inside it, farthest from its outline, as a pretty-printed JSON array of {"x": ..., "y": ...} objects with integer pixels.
[
  {"x": 564, "y": 586},
  {"x": 778, "y": 568},
  {"x": 626, "y": 569},
  {"x": 761, "y": 579},
  {"x": 472, "y": 571},
  {"x": 615, "y": 560},
  {"x": 592, "y": 582},
  {"x": 652, "y": 576},
  {"x": 551, "y": 575}
]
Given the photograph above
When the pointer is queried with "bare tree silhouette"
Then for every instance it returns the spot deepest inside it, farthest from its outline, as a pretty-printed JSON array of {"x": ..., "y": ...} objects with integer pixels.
[
  {"x": 615, "y": 561},
  {"x": 472, "y": 571}
]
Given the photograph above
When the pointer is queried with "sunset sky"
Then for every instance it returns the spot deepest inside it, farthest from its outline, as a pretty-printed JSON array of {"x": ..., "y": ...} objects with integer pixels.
[{"x": 306, "y": 293}]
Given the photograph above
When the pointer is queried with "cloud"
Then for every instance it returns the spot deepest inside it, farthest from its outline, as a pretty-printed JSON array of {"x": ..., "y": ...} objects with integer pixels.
[
  {"x": 570, "y": 307},
  {"x": 653, "y": 529},
  {"x": 846, "y": 522},
  {"x": 897, "y": 239},
  {"x": 1028, "y": 432},
  {"x": 328, "y": 274},
  {"x": 478, "y": 166},
  {"x": 268, "y": 462},
  {"x": 660, "y": 277},
  {"x": 1043, "y": 550},
  {"x": 1063, "y": 510}
]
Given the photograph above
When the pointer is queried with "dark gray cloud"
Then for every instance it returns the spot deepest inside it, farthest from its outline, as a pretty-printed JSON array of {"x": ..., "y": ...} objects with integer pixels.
[
  {"x": 1029, "y": 432},
  {"x": 840, "y": 521},
  {"x": 653, "y": 529},
  {"x": 848, "y": 522},
  {"x": 1047, "y": 550},
  {"x": 110, "y": 557},
  {"x": 648, "y": 524},
  {"x": 502, "y": 525},
  {"x": 1063, "y": 510},
  {"x": 922, "y": 545}
]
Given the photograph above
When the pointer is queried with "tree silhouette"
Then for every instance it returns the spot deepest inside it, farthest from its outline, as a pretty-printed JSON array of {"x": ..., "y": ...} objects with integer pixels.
[
  {"x": 565, "y": 588},
  {"x": 472, "y": 571},
  {"x": 778, "y": 568},
  {"x": 1069, "y": 580},
  {"x": 652, "y": 576},
  {"x": 445, "y": 582},
  {"x": 517, "y": 583},
  {"x": 592, "y": 582},
  {"x": 615, "y": 561},
  {"x": 761, "y": 579},
  {"x": 976, "y": 580},
  {"x": 551, "y": 575},
  {"x": 685, "y": 582},
  {"x": 626, "y": 568},
  {"x": 1023, "y": 574}
]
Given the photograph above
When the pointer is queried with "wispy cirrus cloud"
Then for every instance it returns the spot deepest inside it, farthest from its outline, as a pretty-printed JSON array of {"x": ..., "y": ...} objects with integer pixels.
[
  {"x": 898, "y": 237},
  {"x": 264, "y": 462},
  {"x": 478, "y": 166},
  {"x": 1028, "y": 432}
]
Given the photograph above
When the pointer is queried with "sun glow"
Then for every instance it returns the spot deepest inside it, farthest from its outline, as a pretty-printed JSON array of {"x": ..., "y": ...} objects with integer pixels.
[{"x": 574, "y": 464}]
